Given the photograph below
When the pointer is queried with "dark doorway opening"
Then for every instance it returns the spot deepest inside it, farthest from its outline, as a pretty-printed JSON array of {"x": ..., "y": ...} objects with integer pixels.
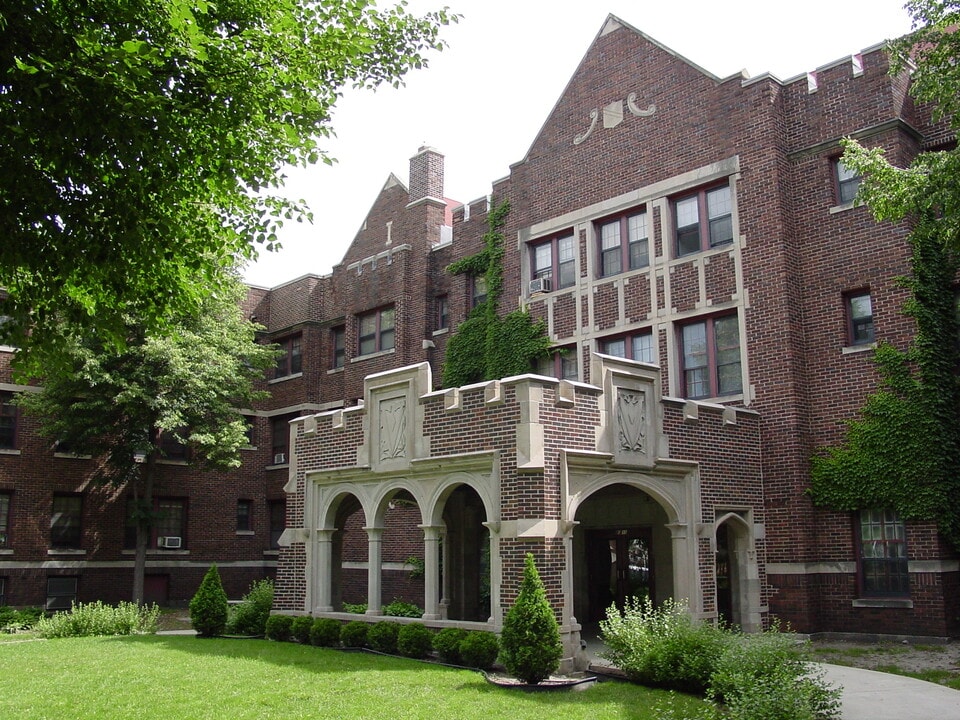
[{"x": 620, "y": 568}]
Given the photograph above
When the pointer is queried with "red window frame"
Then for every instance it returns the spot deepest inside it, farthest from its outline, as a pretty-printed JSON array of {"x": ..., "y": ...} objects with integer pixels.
[
  {"x": 706, "y": 379},
  {"x": 713, "y": 225},
  {"x": 623, "y": 242},
  {"x": 555, "y": 259}
]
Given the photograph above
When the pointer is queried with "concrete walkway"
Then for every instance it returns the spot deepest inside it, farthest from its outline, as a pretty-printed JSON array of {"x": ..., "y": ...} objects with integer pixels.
[{"x": 871, "y": 695}]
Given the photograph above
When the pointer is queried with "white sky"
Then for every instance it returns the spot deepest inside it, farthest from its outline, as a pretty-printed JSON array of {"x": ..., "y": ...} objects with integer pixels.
[{"x": 482, "y": 101}]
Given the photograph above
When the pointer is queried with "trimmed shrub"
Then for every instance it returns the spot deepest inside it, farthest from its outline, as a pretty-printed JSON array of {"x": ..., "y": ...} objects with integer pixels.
[
  {"x": 382, "y": 637},
  {"x": 354, "y": 634},
  {"x": 14, "y": 621},
  {"x": 209, "y": 607},
  {"x": 767, "y": 677},
  {"x": 300, "y": 629},
  {"x": 479, "y": 649},
  {"x": 399, "y": 608},
  {"x": 414, "y": 640},
  {"x": 96, "y": 618},
  {"x": 325, "y": 632},
  {"x": 250, "y": 616},
  {"x": 447, "y": 644},
  {"x": 530, "y": 647},
  {"x": 662, "y": 647},
  {"x": 279, "y": 627}
]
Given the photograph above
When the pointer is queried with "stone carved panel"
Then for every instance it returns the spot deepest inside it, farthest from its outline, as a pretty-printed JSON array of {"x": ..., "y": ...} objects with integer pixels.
[
  {"x": 393, "y": 425},
  {"x": 631, "y": 420}
]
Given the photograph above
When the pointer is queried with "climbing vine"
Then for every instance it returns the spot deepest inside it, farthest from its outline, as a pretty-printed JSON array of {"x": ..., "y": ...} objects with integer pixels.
[
  {"x": 903, "y": 451},
  {"x": 487, "y": 346}
]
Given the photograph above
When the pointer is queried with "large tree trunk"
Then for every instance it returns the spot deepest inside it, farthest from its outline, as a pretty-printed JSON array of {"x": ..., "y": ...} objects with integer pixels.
[{"x": 143, "y": 501}]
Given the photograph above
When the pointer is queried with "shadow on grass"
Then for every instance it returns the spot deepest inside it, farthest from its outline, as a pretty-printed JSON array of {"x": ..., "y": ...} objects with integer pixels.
[{"x": 605, "y": 699}]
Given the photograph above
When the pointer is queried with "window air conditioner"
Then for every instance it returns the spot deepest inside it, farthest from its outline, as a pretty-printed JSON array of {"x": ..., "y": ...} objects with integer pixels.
[
  {"x": 169, "y": 542},
  {"x": 539, "y": 285},
  {"x": 279, "y": 458}
]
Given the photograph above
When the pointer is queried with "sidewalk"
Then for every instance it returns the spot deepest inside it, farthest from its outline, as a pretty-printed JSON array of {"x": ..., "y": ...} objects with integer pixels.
[{"x": 871, "y": 695}]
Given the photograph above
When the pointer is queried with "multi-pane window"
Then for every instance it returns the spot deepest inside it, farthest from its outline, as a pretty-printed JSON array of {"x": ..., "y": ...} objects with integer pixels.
[
  {"x": 859, "y": 318},
  {"x": 633, "y": 347},
  {"x": 377, "y": 331},
  {"x": 704, "y": 220},
  {"x": 561, "y": 364},
  {"x": 553, "y": 263},
  {"x": 278, "y": 521},
  {"x": 848, "y": 182},
  {"x": 61, "y": 592},
  {"x": 8, "y": 421},
  {"x": 172, "y": 449},
  {"x": 169, "y": 524},
  {"x": 338, "y": 339},
  {"x": 883, "y": 554},
  {"x": 280, "y": 429},
  {"x": 711, "y": 357},
  {"x": 290, "y": 359},
  {"x": 65, "y": 520},
  {"x": 624, "y": 244},
  {"x": 442, "y": 305},
  {"x": 4, "y": 519},
  {"x": 244, "y": 515}
]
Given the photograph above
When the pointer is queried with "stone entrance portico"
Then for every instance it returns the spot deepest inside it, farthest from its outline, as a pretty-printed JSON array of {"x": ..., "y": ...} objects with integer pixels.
[{"x": 547, "y": 464}]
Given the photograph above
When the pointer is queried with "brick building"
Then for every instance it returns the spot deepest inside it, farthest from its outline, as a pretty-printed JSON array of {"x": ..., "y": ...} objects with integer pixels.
[{"x": 691, "y": 243}]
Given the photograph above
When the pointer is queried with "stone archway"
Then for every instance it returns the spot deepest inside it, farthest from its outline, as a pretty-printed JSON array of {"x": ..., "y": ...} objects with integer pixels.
[
  {"x": 622, "y": 551},
  {"x": 466, "y": 562},
  {"x": 736, "y": 572}
]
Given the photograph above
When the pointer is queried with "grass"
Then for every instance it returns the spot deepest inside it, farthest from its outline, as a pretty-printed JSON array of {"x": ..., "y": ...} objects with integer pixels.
[{"x": 158, "y": 677}]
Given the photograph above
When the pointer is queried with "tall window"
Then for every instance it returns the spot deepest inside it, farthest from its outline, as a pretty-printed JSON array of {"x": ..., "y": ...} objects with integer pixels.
[
  {"x": 290, "y": 360},
  {"x": 244, "y": 515},
  {"x": 638, "y": 346},
  {"x": 377, "y": 331},
  {"x": 859, "y": 318},
  {"x": 624, "y": 244},
  {"x": 442, "y": 305},
  {"x": 711, "y": 357},
  {"x": 478, "y": 285},
  {"x": 553, "y": 263},
  {"x": 278, "y": 521},
  {"x": 848, "y": 182},
  {"x": 4, "y": 518},
  {"x": 883, "y": 554},
  {"x": 704, "y": 220},
  {"x": 65, "y": 521},
  {"x": 280, "y": 428},
  {"x": 8, "y": 421},
  {"x": 172, "y": 449},
  {"x": 338, "y": 339}
]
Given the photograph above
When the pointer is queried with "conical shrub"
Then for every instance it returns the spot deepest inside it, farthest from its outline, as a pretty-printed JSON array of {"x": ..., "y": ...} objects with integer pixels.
[
  {"x": 208, "y": 608},
  {"x": 530, "y": 647}
]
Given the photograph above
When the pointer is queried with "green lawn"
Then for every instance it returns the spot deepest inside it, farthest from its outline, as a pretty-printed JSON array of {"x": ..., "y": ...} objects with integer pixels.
[{"x": 162, "y": 676}]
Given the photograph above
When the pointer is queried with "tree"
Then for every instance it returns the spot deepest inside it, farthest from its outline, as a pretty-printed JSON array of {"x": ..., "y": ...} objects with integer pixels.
[
  {"x": 119, "y": 404},
  {"x": 530, "y": 647},
  {"x": 209, "y": 608},
  {"x": 487, "y": 346},
  {"x": 142, "y": 141},
  {"x": 903, "y": 451}
]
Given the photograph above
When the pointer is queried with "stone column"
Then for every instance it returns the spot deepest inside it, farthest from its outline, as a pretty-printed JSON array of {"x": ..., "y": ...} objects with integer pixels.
[
  {"x": 445, "y": 562},
  {"x": 431, "y": 571},
  {"x": 686, "y": 570},
  {"x": 323, "y": 582},
  {"x": 374, "y": 552}
]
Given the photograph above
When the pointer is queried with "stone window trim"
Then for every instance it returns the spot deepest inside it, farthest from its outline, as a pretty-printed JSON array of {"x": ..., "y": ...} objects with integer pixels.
[{"x": 703, "y": 220}]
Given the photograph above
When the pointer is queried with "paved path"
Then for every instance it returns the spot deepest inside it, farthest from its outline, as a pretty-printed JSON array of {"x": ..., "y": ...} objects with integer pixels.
[{"x": 871, "y": 695}]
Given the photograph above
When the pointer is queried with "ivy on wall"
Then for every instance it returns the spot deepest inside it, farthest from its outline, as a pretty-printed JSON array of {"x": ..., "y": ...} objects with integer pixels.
[
  {"x": 903, "y": 451},
  {"x": 487, "y": 346}
]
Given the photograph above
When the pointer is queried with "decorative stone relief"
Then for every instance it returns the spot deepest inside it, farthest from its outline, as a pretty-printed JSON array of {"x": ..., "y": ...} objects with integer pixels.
[
  {"x": 393, "y": 425},
  {"x": 613, "y": 115},
  {"x": 631, "y": 420}
]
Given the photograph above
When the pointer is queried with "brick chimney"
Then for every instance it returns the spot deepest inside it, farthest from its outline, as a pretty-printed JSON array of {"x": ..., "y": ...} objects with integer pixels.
[{"x": 426, "y": 175}]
